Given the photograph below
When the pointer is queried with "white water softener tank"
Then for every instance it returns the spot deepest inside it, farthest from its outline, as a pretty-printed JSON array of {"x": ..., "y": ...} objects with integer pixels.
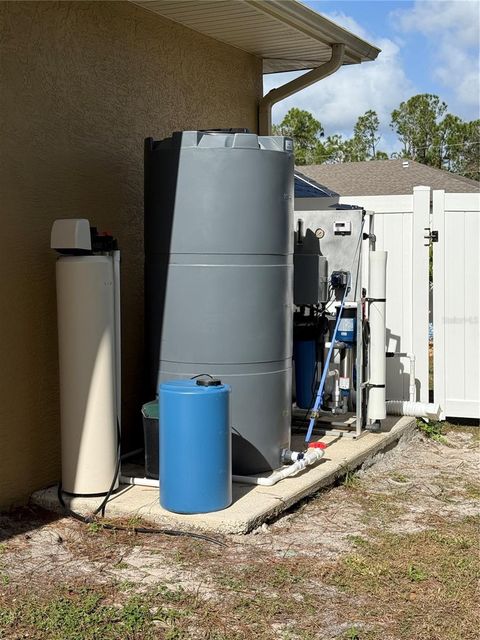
[{"x": 87, "y": 299}]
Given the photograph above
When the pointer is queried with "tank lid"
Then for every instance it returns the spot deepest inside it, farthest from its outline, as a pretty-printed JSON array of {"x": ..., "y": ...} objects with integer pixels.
[{"x": 208, "y": 381}]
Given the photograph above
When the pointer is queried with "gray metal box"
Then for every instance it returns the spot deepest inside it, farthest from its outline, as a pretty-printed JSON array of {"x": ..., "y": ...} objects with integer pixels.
[{"x": 310, "y": 284}]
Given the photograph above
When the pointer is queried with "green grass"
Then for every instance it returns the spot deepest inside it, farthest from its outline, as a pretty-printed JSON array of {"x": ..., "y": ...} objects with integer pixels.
[
  {"x": 92, "y": 613},
  {"x": 432, "y": 430},
  {"x": 350, "y": 480}
]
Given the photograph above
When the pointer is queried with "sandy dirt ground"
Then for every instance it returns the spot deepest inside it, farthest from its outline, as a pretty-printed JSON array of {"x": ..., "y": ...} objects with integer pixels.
[{"x": 390, "y": 553}]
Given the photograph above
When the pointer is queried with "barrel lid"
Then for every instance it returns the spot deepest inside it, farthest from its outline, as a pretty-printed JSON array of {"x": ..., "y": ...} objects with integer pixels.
[
  {"x": 208, "y": 381},
  {"x": 190, "y": 386}
]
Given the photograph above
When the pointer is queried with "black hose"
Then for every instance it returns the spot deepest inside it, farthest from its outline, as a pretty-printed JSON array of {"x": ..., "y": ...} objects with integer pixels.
[{"x": 115, "y": 527}]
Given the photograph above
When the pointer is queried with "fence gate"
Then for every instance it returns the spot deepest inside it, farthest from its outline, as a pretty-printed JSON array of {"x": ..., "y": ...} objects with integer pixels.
[{"x": 456, "y": 293}]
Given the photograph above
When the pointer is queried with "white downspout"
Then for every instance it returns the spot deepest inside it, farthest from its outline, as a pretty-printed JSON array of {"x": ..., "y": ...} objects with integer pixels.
[
  {"x": 288, "y": 89},
  {"x": 430, "y": 411}
]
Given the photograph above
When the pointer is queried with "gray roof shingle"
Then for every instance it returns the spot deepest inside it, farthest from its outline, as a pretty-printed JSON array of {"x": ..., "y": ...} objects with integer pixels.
[{"x": 386, "y": 177}]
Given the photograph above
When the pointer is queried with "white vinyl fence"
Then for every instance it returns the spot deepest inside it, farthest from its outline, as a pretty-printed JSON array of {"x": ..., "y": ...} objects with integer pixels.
[
  {"x": 406, "y": 226},
  {"x": 402, "y": 225},
  {"x": 456, "y": 294}
]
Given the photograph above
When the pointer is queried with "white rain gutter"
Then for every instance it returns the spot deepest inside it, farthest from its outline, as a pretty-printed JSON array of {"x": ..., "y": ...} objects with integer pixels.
[{"x": 288, "y": 89}]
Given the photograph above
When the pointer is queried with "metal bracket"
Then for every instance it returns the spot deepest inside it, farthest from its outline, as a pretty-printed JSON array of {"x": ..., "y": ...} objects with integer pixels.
[
  {"x": 431, "y": 236},
  {"x": 370, "y": 385}
]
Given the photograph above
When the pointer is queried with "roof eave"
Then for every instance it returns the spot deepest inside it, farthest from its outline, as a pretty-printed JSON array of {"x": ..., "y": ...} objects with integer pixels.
[{"x": 319, "y": 27}]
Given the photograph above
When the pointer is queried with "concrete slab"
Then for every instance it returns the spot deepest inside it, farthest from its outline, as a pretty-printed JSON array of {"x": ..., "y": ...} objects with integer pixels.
[{"x": 252, "y": 505}]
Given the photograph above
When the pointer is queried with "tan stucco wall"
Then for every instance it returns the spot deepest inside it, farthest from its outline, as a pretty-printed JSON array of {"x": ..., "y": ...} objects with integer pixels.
[{"x": 82, "y": 84}]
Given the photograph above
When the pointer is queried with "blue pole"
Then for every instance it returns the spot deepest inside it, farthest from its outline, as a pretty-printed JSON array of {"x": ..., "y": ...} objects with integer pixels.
[{"x": 319, "y": 398}]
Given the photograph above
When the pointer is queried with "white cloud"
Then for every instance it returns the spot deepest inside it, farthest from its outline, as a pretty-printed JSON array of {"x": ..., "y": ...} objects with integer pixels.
[
  {"x": 453, "y": 29},
  {"x": 337, "y": 101}
]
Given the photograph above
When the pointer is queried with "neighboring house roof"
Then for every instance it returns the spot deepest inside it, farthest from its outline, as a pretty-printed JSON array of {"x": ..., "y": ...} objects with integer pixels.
[
  {"x": 308, "y": 188},
  {"x": 386, "y": 177},
  {"x": 285, "y": 34}
]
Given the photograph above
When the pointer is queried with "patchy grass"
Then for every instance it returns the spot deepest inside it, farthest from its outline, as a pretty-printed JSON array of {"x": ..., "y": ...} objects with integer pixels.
[
  {"x": 419, "y": 585},
  {"x": 82, "y": 613},
  {"x": 471, "y": 430},
  {"x": 350, "y": 480},
  {"x": 400, "y": 478},
  {"x": 472, "y": 489}
]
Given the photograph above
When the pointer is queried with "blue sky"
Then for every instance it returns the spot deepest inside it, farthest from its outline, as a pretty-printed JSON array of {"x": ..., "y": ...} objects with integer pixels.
[{"x": 428, "y": 46}]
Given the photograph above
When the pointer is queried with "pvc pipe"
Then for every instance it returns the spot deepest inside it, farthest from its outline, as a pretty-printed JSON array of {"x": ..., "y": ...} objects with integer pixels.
[
  {"x": 376, "y": 316},
  {"x": 413, "y": 409},
  {"x": 141, "y": 482},
  {"x": 310, "y": 457}
]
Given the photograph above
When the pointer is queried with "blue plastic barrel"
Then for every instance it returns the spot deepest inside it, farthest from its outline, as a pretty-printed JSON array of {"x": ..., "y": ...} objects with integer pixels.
[
  {"x": 305, "y": 355},
  {"x": 195, "y": 446}
]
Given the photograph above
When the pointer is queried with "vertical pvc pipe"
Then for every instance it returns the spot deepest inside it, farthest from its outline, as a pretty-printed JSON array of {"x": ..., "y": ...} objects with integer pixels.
[{"x": 376, "y": 316}]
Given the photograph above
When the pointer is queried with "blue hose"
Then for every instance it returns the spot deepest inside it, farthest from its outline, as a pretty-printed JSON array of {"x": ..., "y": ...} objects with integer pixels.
[{"x": 319, "y": 398}]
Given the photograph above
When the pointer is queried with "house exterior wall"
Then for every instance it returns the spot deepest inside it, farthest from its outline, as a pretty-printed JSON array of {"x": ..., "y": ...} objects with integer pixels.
[{"x": 83, "y": 83}]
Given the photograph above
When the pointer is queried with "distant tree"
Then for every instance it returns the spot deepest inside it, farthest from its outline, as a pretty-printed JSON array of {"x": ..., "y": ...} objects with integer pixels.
[
  {"x": 332, "y": 151},
  {"x": 459, "y": 146},
  {"x": 354, "y": 150},
  {"x": 469, "y": 163},
  {"x": 306, "y": 132},
  {"x": 365, "y": 134},
  {"x": 428, "y": 134},
  {"x": 416, "y": 124},
  {"x": 449, "y": 138}
]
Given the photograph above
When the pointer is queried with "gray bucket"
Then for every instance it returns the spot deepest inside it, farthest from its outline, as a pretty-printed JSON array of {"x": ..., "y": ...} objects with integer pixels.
[{"x": 150, "y": 435}]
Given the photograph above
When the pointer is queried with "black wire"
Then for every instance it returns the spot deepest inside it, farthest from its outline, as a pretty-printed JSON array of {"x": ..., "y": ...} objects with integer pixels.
[
  {"x": 117, "y": 527},
  {"x": 101, "y": 508},
  {"x": 200, "y": 375},
  {"x": 114, "y": 527}
]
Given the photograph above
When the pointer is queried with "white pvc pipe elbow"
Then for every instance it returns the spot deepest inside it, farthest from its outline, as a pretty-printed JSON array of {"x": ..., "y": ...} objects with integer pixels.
[{"x": 310, "y": 457}]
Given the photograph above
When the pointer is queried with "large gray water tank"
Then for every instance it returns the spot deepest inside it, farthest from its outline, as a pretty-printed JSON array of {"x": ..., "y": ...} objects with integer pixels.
[{"x": 219, "y": 274}]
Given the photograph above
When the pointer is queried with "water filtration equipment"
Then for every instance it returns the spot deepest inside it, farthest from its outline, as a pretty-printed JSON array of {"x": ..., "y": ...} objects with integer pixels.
[
  {"x": 195, "y": 445},
  {"x": 88, "y": 332},
  {"x": 219, "y": 275},
  {"x": 376, "y": 316},
  {"x": 347, "y": 328},
  {"x": 305, "y": 337}
]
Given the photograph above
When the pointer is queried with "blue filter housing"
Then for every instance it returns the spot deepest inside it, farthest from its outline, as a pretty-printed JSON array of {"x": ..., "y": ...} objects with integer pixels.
[
  {"x": 195, "y": 445},
  {"x": 305, "y": 356}
]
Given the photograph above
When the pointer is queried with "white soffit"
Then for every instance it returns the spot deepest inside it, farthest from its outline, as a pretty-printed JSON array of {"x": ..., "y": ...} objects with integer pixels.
[{"x": 285, "y": 34}]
